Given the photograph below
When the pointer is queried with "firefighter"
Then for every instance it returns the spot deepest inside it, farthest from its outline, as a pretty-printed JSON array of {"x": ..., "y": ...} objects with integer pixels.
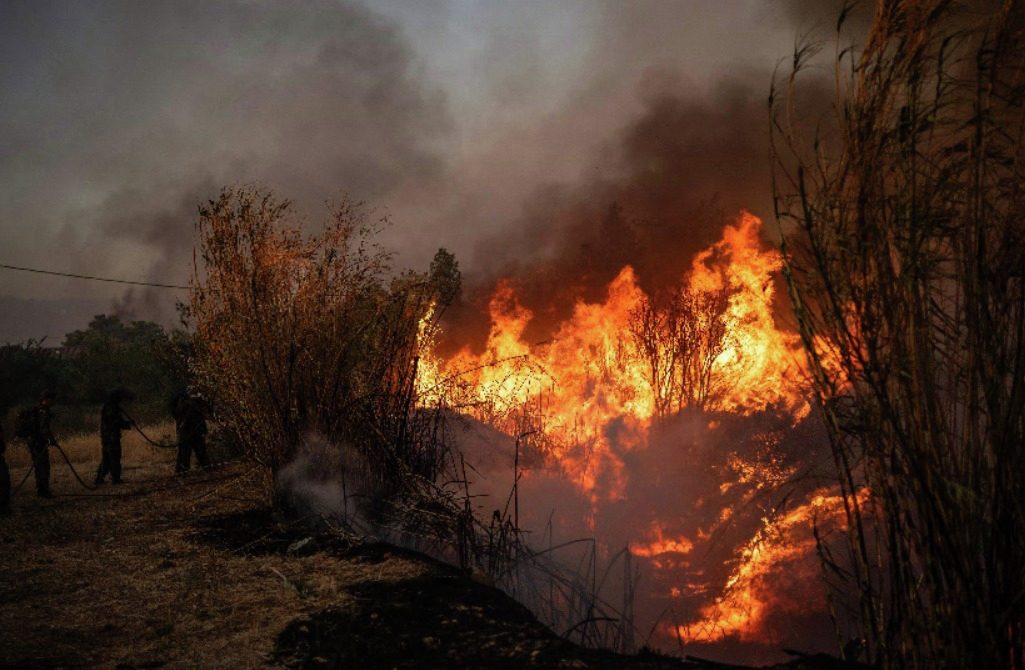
[
  {"x": 190, "y": 425},
  {"x": 5, "y": 475},
  {"x": 112, "y": 422},
  {"x": 35, "y": 428}
]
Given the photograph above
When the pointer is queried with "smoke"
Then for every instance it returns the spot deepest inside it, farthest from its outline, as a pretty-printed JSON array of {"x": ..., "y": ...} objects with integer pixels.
[
  {"x": 326, "y": 479},
  {"x": 504, "y": 134},
  {"x": 122, "y": 118},
  {"x": 702, "y": 483},
  {"x": 676, "y": 176}
]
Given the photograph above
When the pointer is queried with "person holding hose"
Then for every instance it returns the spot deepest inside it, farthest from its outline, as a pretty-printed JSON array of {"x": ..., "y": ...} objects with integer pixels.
[
  {"x": 190, "y": 424},
  {"x": 112, "y": 422},
  {"x": 39, "y": 437}
]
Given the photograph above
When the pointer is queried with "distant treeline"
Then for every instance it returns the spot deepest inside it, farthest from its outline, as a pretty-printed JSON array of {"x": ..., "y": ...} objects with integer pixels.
[{"x": 139, "y": 356}]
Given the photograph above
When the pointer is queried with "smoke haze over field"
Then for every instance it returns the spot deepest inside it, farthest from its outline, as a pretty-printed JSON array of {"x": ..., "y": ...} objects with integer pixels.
[{"x": 503, "y": 131}]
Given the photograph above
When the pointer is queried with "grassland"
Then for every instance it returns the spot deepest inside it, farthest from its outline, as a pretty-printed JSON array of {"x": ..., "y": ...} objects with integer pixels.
[{"x": 193, "y": 572}]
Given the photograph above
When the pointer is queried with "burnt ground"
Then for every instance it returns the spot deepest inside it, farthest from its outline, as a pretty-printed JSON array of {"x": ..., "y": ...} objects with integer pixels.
[{"x": 166, "y": 572}]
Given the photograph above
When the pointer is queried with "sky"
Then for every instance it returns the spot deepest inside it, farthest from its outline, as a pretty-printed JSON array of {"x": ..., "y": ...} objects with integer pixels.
[{"x": 502, "y": 130}]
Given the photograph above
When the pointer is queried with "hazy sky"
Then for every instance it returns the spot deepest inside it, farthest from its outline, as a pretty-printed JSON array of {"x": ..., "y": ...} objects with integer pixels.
[{"x": 455, "y": 117}]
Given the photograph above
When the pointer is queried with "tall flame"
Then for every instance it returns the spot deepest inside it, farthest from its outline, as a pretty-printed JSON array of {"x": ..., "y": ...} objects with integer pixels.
[
  {"x": 589, "y": 393},
  {"x": 592, "y": 377}
]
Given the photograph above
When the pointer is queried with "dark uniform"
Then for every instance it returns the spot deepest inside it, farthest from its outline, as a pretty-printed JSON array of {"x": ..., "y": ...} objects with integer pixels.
[
  {"x": 39, "y": 440},
  {"x": 5, "y": 476},
  {"x": 112, "y": 422},
  {"x": 190, "y": 424}
]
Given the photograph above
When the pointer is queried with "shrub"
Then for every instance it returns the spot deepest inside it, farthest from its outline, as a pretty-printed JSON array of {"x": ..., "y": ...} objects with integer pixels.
[{"x": 299, "y": 334}]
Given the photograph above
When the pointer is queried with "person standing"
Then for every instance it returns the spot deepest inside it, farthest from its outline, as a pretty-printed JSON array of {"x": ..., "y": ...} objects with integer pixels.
[
  {"x": 5, "y": 475},
  {"x": 40, "y": 438},
  {"x": 112, "y": 422},
  {"x": 190, "y": 425}
]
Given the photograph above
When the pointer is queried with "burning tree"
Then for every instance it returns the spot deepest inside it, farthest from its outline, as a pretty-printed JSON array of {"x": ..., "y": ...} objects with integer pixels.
[
  {"x": 906, "y": 267},
  {"x": 298, "y": 334},
  {"x": 680, "y": 337}
]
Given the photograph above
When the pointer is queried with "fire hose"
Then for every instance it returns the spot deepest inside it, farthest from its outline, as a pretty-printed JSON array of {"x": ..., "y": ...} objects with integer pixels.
[
  {"x": 67, "y": 460},
  {"x": 138, "y": 429},
  {"x": 73, "y": 470},
  {"x": 31, "y": 469},
  {"x": 23, "y": 479}
]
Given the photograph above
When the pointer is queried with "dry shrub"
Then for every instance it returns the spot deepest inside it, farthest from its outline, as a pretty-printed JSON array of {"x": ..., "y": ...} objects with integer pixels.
[
  {"x": 905, "y": 248},
  {"x": 299, "y": 334},
  {"x": 680, "y": 337}
]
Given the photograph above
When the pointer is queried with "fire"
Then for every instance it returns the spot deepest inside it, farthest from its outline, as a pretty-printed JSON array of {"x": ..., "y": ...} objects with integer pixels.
[
  {"x": 749, "y": 592},
  {"x": 590, "y": 396},
  {"x": 660, "y": 544},
  {"x": 762, "y": 361},
  {"x": 594, "y": 379}
]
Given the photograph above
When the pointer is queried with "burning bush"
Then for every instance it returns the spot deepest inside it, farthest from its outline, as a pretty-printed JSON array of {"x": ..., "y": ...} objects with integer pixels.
[
  {"x": 299, "y": 334},
  {"x": 906, "y": 264},
  {"x": 680, "y": 337}
]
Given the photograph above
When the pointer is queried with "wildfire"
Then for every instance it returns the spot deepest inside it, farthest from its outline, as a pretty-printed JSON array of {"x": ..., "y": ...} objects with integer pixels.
[
  {"x": 748, "y": 594},
  {"x": 615, "y": 368},
  {"x": 660, "y": 544},
  {"x": 594, "y": 379},
  {"x": 762, "y": 361}
]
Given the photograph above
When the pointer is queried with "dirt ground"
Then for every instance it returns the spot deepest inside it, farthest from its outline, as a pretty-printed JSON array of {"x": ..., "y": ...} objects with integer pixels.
[{"x": 190, "y": 572}]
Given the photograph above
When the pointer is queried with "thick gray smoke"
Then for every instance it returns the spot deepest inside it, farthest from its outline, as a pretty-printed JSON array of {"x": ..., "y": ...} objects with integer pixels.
[
  {"x": 499, "y": 131},
  {"x": 121, "y": 118}
]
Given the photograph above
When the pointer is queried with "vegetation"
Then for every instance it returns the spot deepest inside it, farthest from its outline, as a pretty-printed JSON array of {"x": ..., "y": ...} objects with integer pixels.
[
  {"x": 309, "y": 354},
  {"x": 905, "y": 248},
  {"x": 680, "y": 337},
  {"x": 301, "y": 340},
  {"x": 140, "y": 356}
]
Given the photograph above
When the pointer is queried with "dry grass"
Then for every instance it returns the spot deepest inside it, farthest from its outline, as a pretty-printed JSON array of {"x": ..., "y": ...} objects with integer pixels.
[
  {"x": 100, "y": 580},
  {"x": 130, "y": 577},
  {"x": 904, "y": 248},
  {"x": 85, "y": 448}
]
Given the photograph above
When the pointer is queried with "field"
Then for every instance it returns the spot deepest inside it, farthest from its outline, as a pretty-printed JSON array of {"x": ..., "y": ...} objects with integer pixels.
[
  {"x": 177, "y": 572},
  {"x": 192, "y": 572}
]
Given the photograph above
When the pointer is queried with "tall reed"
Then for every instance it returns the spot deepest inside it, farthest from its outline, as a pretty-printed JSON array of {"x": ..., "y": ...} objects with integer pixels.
[{"x": 904, "y": 235}]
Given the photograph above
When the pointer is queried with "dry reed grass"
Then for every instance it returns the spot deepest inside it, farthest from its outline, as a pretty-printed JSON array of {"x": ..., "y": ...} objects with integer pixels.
[{"x": 906, "y": 266}]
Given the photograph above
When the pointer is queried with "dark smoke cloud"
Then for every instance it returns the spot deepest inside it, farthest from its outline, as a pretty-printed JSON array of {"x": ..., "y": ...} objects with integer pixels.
[
  {"x": 120, "y": 118},
  {"x": 684, "y": 168},
  {"x": 503, "y": 133}
]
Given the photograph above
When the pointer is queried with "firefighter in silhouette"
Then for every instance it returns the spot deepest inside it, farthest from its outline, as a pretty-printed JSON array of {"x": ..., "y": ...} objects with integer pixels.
[
  {"x": 34, "y": 427},
  {"x": 190, "y": 425},
  {"x": 5, "y": 474},
  {"x": 112, "y": 422}
]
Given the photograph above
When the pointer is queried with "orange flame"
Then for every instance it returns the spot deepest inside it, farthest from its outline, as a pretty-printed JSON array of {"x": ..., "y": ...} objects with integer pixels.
[
  {"x": 589, "y": 394},
  {"x": 750, "y": 592},
  {"x": 592, "y": 378},
  {"x": 660, "y": 544}
]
